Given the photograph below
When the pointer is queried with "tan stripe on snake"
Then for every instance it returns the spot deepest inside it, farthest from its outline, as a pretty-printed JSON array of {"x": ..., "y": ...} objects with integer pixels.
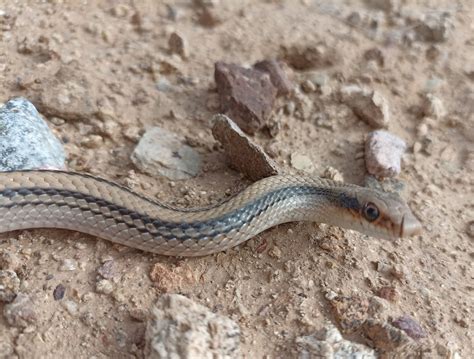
[{"x": 54, "y": 199}]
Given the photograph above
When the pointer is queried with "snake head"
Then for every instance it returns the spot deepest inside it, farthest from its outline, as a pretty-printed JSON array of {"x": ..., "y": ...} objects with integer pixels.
[{"x": 381, "y": 214}]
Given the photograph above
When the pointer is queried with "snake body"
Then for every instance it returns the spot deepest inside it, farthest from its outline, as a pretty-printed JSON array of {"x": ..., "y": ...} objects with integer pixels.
[{"x": 80, "y": 202}]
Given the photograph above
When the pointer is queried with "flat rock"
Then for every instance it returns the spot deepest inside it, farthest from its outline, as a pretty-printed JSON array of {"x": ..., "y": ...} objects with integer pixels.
[
  {"x": 383, "y": 153},
  {"x": 369, "y": 105},
  {"x": 246, "y": 95},
  {"x": 181, "y": 328},
  {"x": 329, "y": 343},
  {"x": 278, "y": 76},
  {"x": 244, "y": 155},
  {"x": 26, "y": 142},
  {"x": 163, "y": 153}
]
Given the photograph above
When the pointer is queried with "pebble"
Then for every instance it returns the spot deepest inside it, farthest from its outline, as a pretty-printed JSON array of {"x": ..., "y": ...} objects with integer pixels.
[
  {"x": 108, "y": 269},
  {"x": 432, "y": 106},
  {"x": 310, "y": 56},
  {"x": 369, "y": 105},
  {"x": 247, "y": 96},
  {"x": 9, "y": 285},
  {"x": 329, "y": 343},
  {"x": 163, "y": 153},
  {"x": 301, "y": 162},
  {"x": 177, "y": 44},
  {"x": 308, "y": 86},
  {"x": 410, "y": 326},
  {"x": 243, "y": 154},
  {"x": 21, "y": 312},
  {"x": 104, "y": 286},
  {"x": 59, "y": 291},
  {"x": 178, "y": 325},
  {"x": 26, "y": 142},
  {"x": 71, "y": 307},
  {"x": 383, "y": 153},
  {"x": 333, "y": 174},
  {"x": 68, "y": 264},
  {"x": 278, "y": 76},
  {"x": 376, "y": 55}
]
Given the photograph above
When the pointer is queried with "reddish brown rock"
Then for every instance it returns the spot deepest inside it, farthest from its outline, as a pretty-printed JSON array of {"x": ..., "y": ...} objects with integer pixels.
[
  {"x": 244, "y": 155},
  {"x": 367, "y": 104},
  {"x": 383, "y": 153},
  {"x": 278, "y": 76},
  {"x": 246, "y": 95}
]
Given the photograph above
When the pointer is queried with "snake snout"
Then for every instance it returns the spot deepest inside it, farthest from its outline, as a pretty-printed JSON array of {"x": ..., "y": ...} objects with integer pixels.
[{"x": 410, "y": 226}]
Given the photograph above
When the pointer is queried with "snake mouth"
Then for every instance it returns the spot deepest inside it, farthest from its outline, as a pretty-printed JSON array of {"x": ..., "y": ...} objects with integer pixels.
[{"x": 409, "y": 226}]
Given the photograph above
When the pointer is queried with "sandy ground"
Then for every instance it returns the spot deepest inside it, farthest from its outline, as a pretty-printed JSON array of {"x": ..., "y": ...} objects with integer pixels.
[{"x": 114, "y": 55}]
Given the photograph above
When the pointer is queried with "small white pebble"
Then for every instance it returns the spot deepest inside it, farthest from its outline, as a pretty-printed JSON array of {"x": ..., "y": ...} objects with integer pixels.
[{"x": 68, "y": 265}]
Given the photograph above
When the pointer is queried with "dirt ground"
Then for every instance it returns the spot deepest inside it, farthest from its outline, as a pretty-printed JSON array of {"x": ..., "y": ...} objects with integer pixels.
[{"x": 110, "y": 59}]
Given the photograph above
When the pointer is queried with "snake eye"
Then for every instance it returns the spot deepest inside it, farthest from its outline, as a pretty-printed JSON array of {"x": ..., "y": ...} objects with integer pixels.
[{"x": 371, "y": 212}]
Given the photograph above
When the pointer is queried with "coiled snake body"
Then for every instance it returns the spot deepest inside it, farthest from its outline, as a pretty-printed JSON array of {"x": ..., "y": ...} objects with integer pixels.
[{"x": 55, "y": 199}]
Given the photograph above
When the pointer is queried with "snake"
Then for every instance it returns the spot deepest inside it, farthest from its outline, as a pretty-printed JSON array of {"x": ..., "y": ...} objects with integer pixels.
[{"x": 92, "y": 205}]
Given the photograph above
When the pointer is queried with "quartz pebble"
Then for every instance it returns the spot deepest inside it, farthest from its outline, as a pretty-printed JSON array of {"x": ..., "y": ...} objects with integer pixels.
[
  {"x": 26, "y": 142},
  {"x": 243, "y": 154},
  {"x": 383, "y": 153},
  {"x": 180, "y": 327},
  {"x": 163, "y": 153},
  {"x": 369, "y": 105}
]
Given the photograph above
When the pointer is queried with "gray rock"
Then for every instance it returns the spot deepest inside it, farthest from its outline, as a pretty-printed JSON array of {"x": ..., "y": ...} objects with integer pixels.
[
  {"x": 329, "y": 343},
  {"x": 163, "y": 153},
  {"x": 26, "y": 141},
  {"x": 181, "y": 328},
  {"x": 383, "y": 153},
  {"x": 369, "y": 105},
  {"x": 243, "y": 154}
]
